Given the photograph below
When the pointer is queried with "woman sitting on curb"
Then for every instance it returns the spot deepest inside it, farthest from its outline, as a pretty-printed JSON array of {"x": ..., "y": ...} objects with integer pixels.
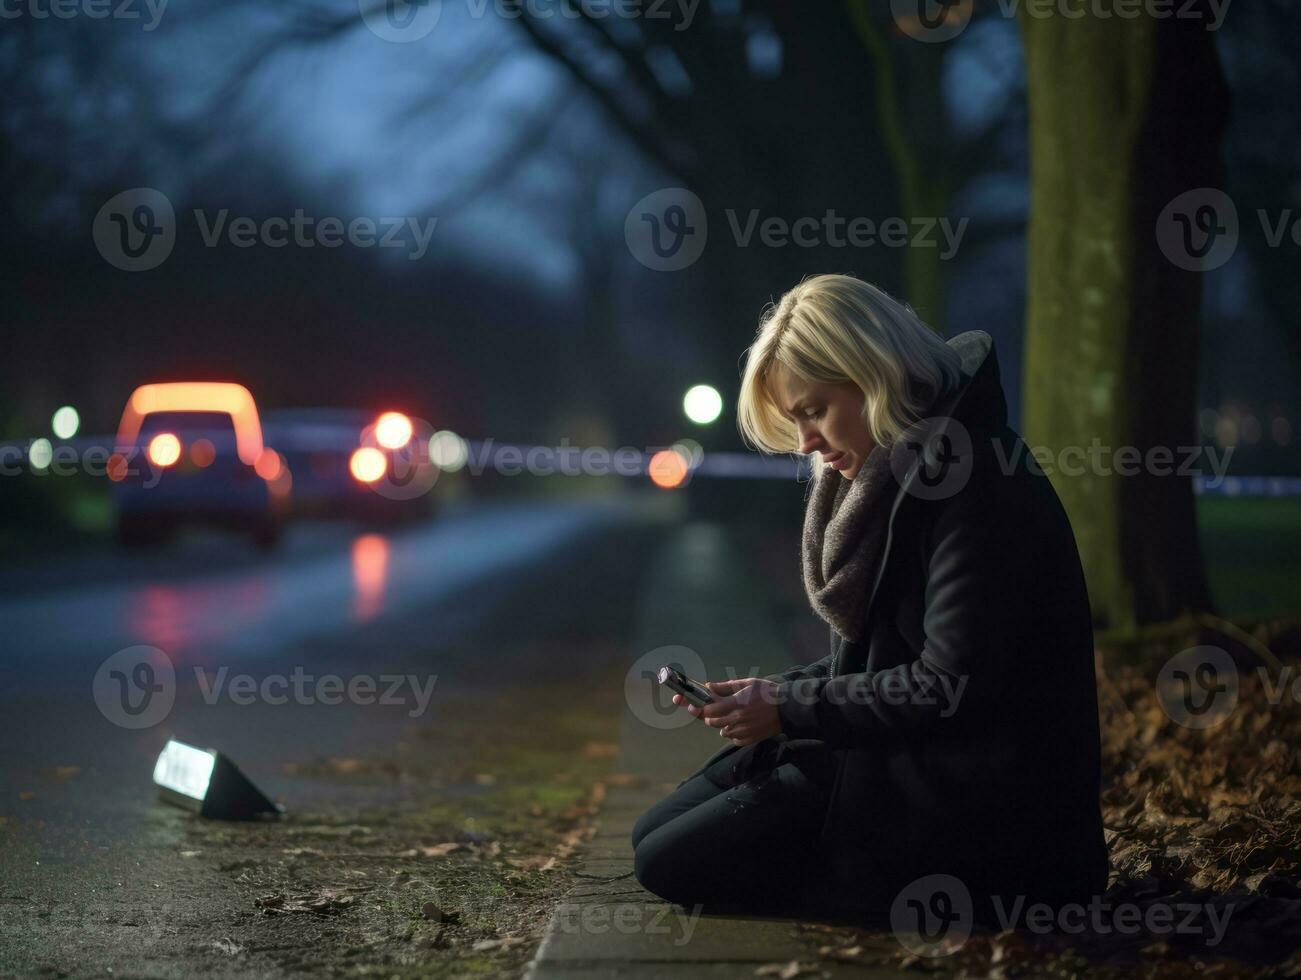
[{"x": 949, "y": 740}]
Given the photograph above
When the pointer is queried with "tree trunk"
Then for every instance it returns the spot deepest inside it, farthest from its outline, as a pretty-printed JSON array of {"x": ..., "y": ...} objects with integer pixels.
[
  {"x": 1125, "y": 115},
  {"x": 912, "y": 127}
]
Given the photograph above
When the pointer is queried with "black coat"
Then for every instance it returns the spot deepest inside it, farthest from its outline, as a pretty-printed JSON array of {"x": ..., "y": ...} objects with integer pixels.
[{"x": 960, "y": 736}]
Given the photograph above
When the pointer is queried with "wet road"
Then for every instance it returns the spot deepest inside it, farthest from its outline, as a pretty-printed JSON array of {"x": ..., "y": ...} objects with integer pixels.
[{"x": 329, "y": 647}]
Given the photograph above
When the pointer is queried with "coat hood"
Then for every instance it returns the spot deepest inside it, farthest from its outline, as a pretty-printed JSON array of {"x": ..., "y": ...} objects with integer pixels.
[{"x": 978, "y": 402}]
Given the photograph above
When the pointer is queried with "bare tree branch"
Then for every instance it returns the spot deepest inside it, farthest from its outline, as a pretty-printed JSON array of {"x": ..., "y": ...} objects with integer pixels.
[{"x": 651, "y": 142}]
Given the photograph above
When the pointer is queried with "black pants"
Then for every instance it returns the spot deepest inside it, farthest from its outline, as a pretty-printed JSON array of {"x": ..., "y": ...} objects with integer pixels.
[{"x": 746, "y": 849}]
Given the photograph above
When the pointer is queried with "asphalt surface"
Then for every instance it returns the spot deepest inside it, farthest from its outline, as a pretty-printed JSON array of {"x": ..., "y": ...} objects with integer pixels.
[{"x": 329, "y": 647}]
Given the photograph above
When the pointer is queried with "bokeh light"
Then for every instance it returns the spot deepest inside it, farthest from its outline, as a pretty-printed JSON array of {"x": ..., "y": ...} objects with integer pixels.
[
  {"x": 703, "y": 404},
  {"x": 367, "y": 464},
  {"x": 692, "y": 451},
  {"x": 65, "y": 422},
  {"x": 667, "y": 469},
  {"x": 202, "y": 453},
  {"x": 370, "y": 559},
  {"x": 448, "y": 451},
  {"x": 40, "y": 453},
  {"x": 393, "y": 430},
  {"x": 164, "y": 449},
  {"x": 1226, "y": 432},
  {"x": 268, "y": 465},
  {"x": 1281, "y": 429}
]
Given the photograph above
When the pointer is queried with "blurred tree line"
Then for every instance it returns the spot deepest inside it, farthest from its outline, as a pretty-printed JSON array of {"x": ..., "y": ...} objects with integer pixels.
[{"x": 756, "y": 106}]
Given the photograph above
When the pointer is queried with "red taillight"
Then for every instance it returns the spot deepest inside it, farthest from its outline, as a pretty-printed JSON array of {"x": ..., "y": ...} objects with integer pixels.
[
  {"x": 268, "y": 465},
  {"x": 393, "y": 430},
  {"x": 202, "y": 453},
  {"x": 164, "y": 449}
]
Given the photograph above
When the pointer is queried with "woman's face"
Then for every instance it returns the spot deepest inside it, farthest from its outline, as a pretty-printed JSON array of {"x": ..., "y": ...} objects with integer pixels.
[{"x": 829, "y": 418}]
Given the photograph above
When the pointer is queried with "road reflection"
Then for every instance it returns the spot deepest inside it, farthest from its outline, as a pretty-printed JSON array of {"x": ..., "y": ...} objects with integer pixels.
[{"x": 370, "y": 566}]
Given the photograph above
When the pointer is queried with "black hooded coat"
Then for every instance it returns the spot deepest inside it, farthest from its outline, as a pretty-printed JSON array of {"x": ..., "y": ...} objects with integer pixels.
[{"x": 959, "y": 735}]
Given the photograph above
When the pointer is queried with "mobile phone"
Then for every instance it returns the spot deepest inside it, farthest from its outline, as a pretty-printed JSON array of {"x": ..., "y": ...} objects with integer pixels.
[{"x": 678, "y": 682}]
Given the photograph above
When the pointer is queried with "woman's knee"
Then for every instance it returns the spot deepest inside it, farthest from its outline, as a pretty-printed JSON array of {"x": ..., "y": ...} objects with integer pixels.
[
  {"x": 682, "y": 800},
  {"x": 658, "y": 870},
  {"x": 649, "y": 821}
]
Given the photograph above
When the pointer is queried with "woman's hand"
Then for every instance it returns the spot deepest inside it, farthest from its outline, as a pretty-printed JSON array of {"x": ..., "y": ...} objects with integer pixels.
[{"x": 745, "y": 712}]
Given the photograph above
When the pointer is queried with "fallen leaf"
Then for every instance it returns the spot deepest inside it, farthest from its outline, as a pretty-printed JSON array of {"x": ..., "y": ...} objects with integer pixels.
[{"x": 786, "y": 971}]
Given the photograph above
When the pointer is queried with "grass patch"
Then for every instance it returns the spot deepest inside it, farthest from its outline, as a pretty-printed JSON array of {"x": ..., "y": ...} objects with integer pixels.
[{"x": 1250, "y": 546}]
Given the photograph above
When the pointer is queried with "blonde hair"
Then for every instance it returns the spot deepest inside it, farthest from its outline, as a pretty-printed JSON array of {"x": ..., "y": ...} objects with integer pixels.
[{"x": 834, "y": 329}]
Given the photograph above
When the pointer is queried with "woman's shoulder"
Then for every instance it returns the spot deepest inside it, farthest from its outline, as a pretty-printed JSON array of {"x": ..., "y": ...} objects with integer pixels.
[{"x": 993, "y": 480}]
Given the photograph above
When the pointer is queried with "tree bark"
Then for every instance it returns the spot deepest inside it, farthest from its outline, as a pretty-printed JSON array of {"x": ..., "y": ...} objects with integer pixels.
[{"x": 1125, "y": 114}]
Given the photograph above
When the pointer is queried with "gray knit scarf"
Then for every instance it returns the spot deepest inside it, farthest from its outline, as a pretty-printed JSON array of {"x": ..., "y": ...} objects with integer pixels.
[{"x": 845, "y": 523}]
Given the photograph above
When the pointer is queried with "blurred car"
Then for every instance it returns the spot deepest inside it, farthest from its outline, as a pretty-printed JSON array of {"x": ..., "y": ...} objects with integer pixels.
[
  {"x": 352, "y": 464},
  {"x": 191, "y": 452}
]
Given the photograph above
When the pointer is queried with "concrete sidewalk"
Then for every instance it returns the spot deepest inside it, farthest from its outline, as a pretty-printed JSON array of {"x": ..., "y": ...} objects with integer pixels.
[{"x": 703, "y": 596}]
